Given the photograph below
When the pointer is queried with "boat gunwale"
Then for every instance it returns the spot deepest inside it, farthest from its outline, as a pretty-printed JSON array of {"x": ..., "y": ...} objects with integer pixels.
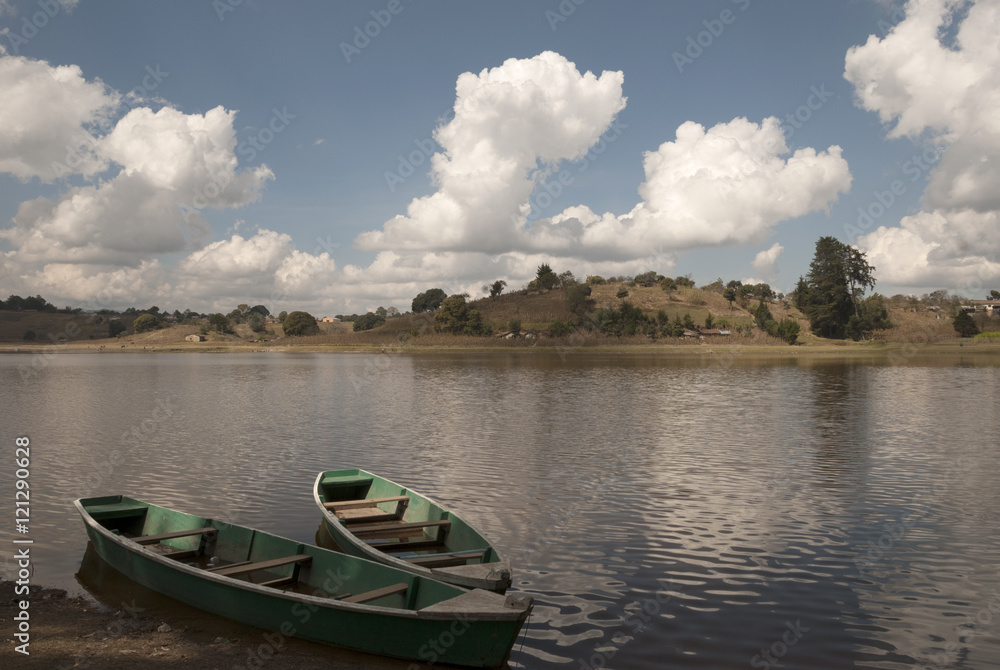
[
  {"x": 329, "y": 515},
  {"x": 501, "y": 614}
]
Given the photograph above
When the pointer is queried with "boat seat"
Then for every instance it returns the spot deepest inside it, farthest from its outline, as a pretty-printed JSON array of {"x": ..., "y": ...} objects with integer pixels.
[
  {"x": 375, "y": 594},
  {"x": 390, "y": 528},
  {"x": 227, "y": 565},
  {"x": 338, "y": 505},
  {"x": 115, "y": 511},
  {"x": 153, "y": 539},
  {"x": 243, "y": 568},
  {"x": 390, "y": 547},
  {"x": 443, "y": 560}
]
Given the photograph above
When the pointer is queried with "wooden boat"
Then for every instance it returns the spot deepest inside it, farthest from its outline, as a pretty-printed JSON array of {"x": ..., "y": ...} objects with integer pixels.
[
  {"x": 372, "y": 517},
  {"x": 300, "y": 590}
]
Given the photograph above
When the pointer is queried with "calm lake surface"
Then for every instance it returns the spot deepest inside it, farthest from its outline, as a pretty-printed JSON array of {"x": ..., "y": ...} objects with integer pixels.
[{"x": 711, "y": 512}]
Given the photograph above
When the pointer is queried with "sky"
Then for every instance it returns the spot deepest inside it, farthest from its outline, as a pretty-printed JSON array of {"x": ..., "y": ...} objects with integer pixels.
[{"x": 338, "y": 157}]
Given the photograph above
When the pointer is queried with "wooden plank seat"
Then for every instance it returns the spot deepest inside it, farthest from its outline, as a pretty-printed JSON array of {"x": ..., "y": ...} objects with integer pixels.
[
  {"x": 227, "y": 565},
  {"x": 116, "y": 511},
  {"x": 392, "y": 547},
  {"x": 154, "y": 539},
  {"x": 235, "y": 569},
  {"x": 444, "y": 560},
  {"x": 338, "y": 505},
  {"x": 375, "y": 594},
  {"x": 391, "y": 528}
]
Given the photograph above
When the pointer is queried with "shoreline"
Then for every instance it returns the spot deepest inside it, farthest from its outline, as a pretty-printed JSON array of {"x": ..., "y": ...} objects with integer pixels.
[
  {"x": 845, "y": 349},
  {"x": 79, "y": 632}
]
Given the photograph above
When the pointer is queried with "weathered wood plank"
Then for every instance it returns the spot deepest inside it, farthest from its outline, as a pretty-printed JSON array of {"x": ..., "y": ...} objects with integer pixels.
[
  {"x": 390, "y": 527},
  {"x": 375, "y": 594},
  {"x": 444, "y": 560},
  {"x": 366, "y": 502},
  {"x": 153, "y": 539},
  {"x": 231, "y": 570}
]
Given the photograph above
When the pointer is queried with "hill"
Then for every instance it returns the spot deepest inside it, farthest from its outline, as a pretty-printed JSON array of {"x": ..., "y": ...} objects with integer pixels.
[{"x": 535, "y": 309}]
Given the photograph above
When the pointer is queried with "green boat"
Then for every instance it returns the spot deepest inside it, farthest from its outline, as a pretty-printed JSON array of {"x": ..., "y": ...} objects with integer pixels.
[
  {"x": 299, "y": 590},
  {"x": 374, "y": 518}
]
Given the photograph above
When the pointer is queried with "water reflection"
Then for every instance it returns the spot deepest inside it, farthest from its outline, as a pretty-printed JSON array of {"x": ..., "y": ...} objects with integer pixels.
[{"x": 664, "y": 512}]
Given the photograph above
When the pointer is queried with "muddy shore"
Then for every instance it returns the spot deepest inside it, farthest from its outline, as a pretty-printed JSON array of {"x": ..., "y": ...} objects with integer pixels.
[{"x": 76, "y": 632}]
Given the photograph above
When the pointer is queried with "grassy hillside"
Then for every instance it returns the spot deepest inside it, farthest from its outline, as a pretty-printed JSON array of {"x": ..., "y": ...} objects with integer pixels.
[{"x": 535, "y": 310}]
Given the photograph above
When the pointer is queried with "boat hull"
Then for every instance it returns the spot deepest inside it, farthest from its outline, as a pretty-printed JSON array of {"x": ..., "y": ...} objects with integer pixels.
[
  {"x": 428, "y": 636},
  {"x": 493, "y": 574}
]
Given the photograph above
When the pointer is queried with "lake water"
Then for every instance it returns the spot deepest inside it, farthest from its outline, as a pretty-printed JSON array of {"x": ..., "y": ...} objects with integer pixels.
[{"x": 711, "y": 512}]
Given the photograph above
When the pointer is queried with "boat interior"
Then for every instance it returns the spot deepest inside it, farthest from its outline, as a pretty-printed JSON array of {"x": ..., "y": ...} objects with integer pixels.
[
  {"x": 264, "y": 559},
  {"x": 401, "y": 523}
]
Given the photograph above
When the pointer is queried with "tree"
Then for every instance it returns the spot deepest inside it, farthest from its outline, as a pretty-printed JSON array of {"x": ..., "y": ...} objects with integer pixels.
[
  {"x": 964, "y": 324},
  {"x": 260, "y": 309},
  {"x": 668, "y": 285},
  {"x": 743, "y": 295},
  {"x": 545, "y": 278},
  {"x": 622, "y": 293},
  {"x": 648, "y": 278},
  {"x": 708, "y": 320},
  {"x": 368, "y": 321},
  {"x": 428, "y": 301},
  {"x": 828, "y": 295},
  {"x": 256, "y": 322},
  {"x": 762, "y": 292},
  {"x": 578, "y": 299},
  {"x": 456, "y": 317},
  {"x": 145, "y": 323},
  {"x": 872, "y": 315},
  {"x": 282, "y": 315},
  {"x": 497, "y": 287},
  {"x": 220, "y": 323},
  {"x": 715, "y": 287},
  {"x": 762, "y": 316},
  {"x": 994, "y": 295},
  {"x": 729, "y": 293},
  {"x": 115, "y": 328},
  {"x": 514, "y": 326},
  {"x": 452, "y": 313},
  {"x": 788, "y": 330},
  {"x": 300, "y": 323}
]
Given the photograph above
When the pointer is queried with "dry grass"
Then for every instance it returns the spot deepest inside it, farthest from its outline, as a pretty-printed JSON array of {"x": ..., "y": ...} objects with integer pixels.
[{"x": 534, "y": 309}]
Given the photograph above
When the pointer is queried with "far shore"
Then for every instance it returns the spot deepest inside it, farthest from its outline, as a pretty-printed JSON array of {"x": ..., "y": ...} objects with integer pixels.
[{"x": 717, "y": 347}]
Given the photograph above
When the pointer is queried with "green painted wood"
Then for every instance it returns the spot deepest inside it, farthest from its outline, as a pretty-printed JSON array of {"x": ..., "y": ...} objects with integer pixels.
[
  {"x": 400, "y": 627},
  {"x": 418, "y": 523}
]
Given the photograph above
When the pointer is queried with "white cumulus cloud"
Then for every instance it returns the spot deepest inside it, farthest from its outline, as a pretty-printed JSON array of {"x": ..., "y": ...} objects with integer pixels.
[
  {"x": 48, "y": 119},
  {"x": 729, "y": 184},
  {"x": 765, "y": 262},
  {"x": 936, "y": 78}
]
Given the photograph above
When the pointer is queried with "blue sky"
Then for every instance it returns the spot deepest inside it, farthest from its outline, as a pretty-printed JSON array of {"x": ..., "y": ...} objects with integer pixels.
[{"x": 282, "y": 153}]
